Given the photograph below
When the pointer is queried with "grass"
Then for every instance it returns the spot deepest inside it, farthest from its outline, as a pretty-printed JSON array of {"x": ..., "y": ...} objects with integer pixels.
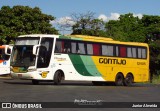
[{"x": 156, "y": 79}]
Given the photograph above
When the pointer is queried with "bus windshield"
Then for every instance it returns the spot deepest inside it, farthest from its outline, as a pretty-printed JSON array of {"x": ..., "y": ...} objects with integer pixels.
[
  {"x": 22, "y": 51},
  {"x": 23, "y": 56},
  {"x": 27, "y": 41}
]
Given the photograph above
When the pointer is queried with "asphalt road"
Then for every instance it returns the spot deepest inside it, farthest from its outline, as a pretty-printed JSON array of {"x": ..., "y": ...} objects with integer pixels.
[{"x": 24, "y": 91}]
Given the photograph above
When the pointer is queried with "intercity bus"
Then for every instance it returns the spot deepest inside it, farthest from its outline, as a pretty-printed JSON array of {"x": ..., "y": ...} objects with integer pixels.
[
  {"x": 5, "y": 59},
  {"x": 40, "y": 57}
]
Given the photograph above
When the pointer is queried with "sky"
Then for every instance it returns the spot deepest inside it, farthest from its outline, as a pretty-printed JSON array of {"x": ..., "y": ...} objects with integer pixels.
[{"x": 103, "y": 9}]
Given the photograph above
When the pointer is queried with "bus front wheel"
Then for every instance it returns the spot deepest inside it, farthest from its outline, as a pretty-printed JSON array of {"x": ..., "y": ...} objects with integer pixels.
[
  {"x": 58, "y": 78},
  {"x": 119, "y": 79}
]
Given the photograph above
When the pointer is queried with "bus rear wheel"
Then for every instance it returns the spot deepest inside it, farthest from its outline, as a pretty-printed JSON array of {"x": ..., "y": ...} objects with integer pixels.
[
  {"x": 58, "y": 78},
  {"x": 128, "y": 81},
  {"x": 119, "y": 79}
]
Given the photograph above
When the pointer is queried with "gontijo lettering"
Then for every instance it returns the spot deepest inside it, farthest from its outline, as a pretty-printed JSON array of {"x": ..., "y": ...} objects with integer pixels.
[{"x": 112, "y": 61}]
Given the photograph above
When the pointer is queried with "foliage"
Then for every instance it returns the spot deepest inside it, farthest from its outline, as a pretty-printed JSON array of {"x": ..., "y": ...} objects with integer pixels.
[
  {"x": 23, "y": 20},
  {"x": 127, "y": 28},
  {"x": 156, "y": 79},
  {"x": 86, "y": 24}
]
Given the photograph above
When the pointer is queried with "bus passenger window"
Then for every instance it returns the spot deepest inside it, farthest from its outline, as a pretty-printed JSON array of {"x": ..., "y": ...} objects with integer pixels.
[
  {"x": 73, "y": 47},
  {"x": 81, "y": 48},
  {"x": 142, "y": 53},
  {"x": 58, "y": 47},
  {"x": 67, "y": 47},
  {"x": 90, "y": 49},
  {"x": 107, "y": 50},
  {"x": 96, "y": 49},
  {"x": 139, "y": 53},
  {"x": 134, "y": 53},
  {"x": 123, "y": 51},
  {"x": 117, "y": 51},
  {"x": 131, "y": 52}
]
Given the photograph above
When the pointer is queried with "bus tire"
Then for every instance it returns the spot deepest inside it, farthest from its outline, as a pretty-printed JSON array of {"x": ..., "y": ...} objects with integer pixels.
[
  {"x": 35, "y": 82},
  {"x": 128, "y": 81},
  {"x": 119, "y": 79},
  {"x": 58, "y": 78}
]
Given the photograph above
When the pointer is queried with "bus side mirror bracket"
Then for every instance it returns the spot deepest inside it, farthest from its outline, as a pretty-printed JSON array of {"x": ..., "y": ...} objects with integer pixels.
[
  {"x": 35, "y": 49},
  {"x": 8, "y": 50}
]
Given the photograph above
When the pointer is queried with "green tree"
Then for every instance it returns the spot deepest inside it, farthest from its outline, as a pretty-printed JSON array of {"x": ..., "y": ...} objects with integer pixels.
[
  {"x": 127, "y": 28},
  {"x": 82, "y": 22},
  {"x": 20, "y": 20},
  {"x": 86, "y": 24},
  {"x": 152, "y": 29}
]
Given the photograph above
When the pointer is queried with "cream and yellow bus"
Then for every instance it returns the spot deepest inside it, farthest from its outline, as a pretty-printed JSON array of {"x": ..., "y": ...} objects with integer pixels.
[
  {"x": 40, "y": 57},
  {"x": 5, "y": 59}
]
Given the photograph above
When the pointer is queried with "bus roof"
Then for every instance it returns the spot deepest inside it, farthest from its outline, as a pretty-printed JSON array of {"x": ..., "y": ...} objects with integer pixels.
[
  {"x": 86, "y": 38},
  {"x": 100, "y": 39},
  {"x": 40, "y": 35}
]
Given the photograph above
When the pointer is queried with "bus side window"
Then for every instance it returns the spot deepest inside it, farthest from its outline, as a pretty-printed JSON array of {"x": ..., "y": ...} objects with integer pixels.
[
  {"x": 107, "y": 50},
  {"x": 81, "y": 48},
  {"x": 117, "y": 51},
  {"x": 123, "y": 51},
  {"x": 67, "y": 47},
  {"x": 96, "y": 49},
  {"x": 131, "y": 52},
  {"x": 58, "y": 47},
  {"x": 45, "y": 52},
  {"x": 73, "y": 47},
  {"x": 89, "y": 49},
  {"x": 142, "y": 53}
]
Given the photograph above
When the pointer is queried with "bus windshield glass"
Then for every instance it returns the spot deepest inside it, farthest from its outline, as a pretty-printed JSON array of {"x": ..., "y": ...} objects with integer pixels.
[
  {"x": 27, "y": 41},
  {"x": 23, "y": 56},
  {"x": 22, "y": 52}
]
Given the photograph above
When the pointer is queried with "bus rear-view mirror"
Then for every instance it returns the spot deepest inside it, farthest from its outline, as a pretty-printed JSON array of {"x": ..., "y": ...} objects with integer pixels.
[
  {"x": 8, "y": 50},
  {"x": 35, "y": 49}
]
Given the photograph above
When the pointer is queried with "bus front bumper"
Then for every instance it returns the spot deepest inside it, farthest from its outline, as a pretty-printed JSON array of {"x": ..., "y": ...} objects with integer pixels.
[{"x": 21, "y": 75}]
